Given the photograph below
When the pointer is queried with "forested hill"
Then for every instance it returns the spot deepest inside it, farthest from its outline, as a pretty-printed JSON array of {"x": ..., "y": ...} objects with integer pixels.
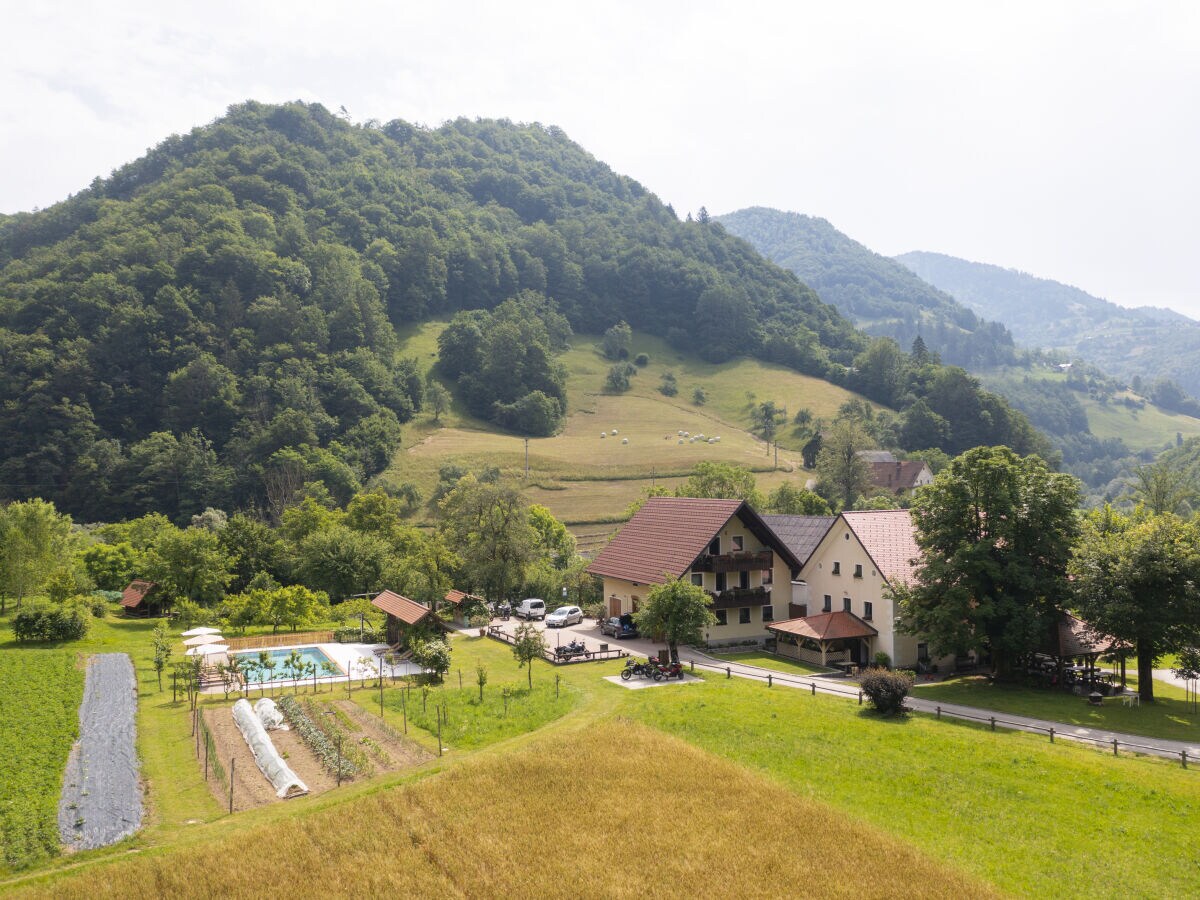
[
  {"x": 1146, "y": 341},
  {"x": 880, "y": 295},
  {"x": 214, "y": 323}
]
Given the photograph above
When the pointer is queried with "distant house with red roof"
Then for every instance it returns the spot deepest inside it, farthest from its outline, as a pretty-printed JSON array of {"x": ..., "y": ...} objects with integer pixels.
[
  {"x": 849, "y": 615},
  {"x": 723, "y": 546},
  {"x": 403, "y": 615},
  {"x": 900, "y": 476},
  {"x": 138, "y": 598},
  {"x": 463, "y": 604}
]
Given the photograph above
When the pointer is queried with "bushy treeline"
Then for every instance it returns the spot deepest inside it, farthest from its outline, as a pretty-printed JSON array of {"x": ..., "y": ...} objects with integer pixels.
[
  {"x": 242, "y": 570},
  {"x": 214, "y": 325}
]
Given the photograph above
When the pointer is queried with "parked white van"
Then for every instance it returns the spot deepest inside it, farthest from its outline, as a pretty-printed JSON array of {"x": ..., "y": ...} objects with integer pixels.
[{"x": 531, "y": 608}]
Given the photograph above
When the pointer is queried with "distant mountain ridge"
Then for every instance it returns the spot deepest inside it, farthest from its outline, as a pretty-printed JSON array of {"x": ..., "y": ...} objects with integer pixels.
[
  {"x": 1149, "y": 342},
  {"x": 880, "y": 295}
]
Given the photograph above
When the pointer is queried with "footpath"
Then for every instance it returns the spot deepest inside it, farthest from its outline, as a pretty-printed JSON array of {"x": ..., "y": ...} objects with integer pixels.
[{"x": 1150, "y": 746}]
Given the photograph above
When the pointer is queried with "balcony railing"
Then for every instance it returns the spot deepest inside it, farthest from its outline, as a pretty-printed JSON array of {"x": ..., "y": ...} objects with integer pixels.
[
  {"x": 735, "y": 597},
  {"x": 748, "y": 561}
]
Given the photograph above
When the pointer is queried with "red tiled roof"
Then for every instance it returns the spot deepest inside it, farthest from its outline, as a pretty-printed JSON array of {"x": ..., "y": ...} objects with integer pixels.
[
  {"x": 456, "y": 597},
  {"x": 830, "y": 626},
  {"x": 889, "y": 537},
  {"x": 663, "y": 538},
  {"x": 135, "y": 592},
  {"x": 897, "y": 476},
  {"x": 407, "y": 611}
]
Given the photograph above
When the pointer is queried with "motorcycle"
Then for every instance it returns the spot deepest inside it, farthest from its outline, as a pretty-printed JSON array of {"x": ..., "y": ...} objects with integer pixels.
[
  {"x": 633, "y": 667},
  {"x": 503, "y": 611},
  {"x": 573, "y": 649},
  {"x": 670, "y": 670}
]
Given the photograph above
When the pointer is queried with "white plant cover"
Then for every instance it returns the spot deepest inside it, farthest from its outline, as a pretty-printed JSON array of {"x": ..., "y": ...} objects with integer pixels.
[
  {"x": 268, "y": 713},
  {"x": 270, "y": 763}
]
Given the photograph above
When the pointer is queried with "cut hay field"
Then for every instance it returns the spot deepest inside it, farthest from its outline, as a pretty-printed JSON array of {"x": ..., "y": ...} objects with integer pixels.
[
  {"x": 584, "y": 478},
  {"x": 670, "y": 819},
  {"x": 40, "y": 693}
]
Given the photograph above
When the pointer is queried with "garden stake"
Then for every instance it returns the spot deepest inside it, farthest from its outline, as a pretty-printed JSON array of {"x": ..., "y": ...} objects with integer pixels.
[
  {"x": 460, "y": 679},
  {"x": 381, "y": 690},
  {"x": 206, "y": 760},
  {"x": 232, "y": 763},
  {"x": 404, "y": 709},
  {"x": 439, "y": 736},
  {"x": 556, "y": 680},
  {"x": 339, "y": 761}
]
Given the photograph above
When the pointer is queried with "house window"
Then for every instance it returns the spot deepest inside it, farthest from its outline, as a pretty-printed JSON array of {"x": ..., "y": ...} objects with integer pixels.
[
  {"x": 744, "y": 615},
  {"x": 737, "y": 542},
  {"x": 720, "y": 616},
  {"x": 828, "y": 604},
  {"x": 698, "y": 579},
  {"x": 720, "y": 576},
  {"x": 768, "y": 614},
  {"x": 743, "y": 580},
  {"x": 846, "y": 604},
  {"x": 858, "y": 571},
  {"x": 768, "y": 576},
  {"x": 868, "y": 610},
  {"x": 837, "y": 568},
  {"x": 714, "y": 546}
]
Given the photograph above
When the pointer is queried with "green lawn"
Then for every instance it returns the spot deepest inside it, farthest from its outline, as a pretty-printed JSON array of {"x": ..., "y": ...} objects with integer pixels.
[
  {"x": 1168, "y": 717},
  {"x": 1033, "y": 818},
  {"x": 771, "y": 661}
]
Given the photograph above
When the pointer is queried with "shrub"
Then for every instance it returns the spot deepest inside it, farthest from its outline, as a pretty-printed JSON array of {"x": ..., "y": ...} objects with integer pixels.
[
  {"x": 44, "y": 623},
  {"x": 98, "y": 606},
  {"x": 350, "y": 635},
  {"x": 641, "y": 360},
  {"x": 596, "y": 610},
  {"x": 887, "y": 690},
  {"x": 882, "y": 660},
  {"x": 669, "y": 386},
  {"x": 432, "y": 655},
  {"x": 699, "y": 396}
]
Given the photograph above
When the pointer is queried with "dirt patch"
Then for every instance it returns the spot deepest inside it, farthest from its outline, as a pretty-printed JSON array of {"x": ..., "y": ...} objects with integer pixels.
[{"x": 251, "y": 788}]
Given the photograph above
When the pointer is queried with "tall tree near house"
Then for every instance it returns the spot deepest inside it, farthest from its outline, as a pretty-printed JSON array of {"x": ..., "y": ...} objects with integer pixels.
[
  {"x": 678, "y": 610},
  {"x": 843, "y": 475},
  {"x": 190, "y": 564},
  {"x": 1135, "y": 578},
  {"x": 995, "y": 532},
  {"x": 488, "y": 526}
]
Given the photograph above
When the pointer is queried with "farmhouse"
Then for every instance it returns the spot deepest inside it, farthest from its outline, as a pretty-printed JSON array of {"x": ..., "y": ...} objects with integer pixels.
[
  {"x": 723, "y": 546},
  {"x": 403, "y": 615},
  {"x": 849, "y": 615}
]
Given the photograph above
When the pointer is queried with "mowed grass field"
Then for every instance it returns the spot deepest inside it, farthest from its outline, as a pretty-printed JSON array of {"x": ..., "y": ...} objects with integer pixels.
[
  {"x": 584, "y": 478},
  {"x": 40, "y": 693}
]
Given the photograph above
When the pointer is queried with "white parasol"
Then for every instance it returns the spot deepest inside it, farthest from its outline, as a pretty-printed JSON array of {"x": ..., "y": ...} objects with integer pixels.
[
  {"x": 203, "y": 629},
  {"x": 201, "y": 640},
  {"x": 207, "y": 650}
]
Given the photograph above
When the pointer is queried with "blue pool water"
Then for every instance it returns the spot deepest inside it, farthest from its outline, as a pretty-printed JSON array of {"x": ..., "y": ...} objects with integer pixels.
[{"x": 281, "y": 672}]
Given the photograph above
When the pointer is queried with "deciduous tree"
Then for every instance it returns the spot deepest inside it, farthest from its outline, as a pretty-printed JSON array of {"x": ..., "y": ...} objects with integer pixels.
[{"x": 678, "y": 610}]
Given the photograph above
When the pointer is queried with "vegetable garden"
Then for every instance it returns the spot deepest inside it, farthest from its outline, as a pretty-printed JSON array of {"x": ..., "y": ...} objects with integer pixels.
[{"x": 40, "y": 693}]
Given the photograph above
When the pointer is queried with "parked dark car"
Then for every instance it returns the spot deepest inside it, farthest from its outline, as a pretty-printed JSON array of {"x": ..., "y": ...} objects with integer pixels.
[{"x": 619, "y": 627}]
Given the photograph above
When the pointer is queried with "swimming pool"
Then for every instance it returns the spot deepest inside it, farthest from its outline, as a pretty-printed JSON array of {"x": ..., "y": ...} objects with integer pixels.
[{"x": 281, "y": 672}]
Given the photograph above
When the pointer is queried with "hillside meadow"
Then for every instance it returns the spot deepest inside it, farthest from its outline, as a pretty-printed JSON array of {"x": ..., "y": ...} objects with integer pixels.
[{"x": 584, "y": 478}]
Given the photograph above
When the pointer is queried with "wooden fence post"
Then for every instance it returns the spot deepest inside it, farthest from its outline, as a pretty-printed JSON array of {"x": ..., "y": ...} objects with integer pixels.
[
  {"x": 439, "y": 735},
  {"x": 768, "y": 679},
  {"x": 232, "y": 766},
  {"x": 860, "y": 701},
  {"x": 993, "y": 721},
  {"x": 939, "y": 709},
  {"x": 1114, "y": 746},
  {"x": 206, "y": 758},
  {"x": 1183, "y": 757},
  {"x": 728, "y": 674},
  {"x": 1052, "y": 735},
  {"x": 813, "y": 685}
]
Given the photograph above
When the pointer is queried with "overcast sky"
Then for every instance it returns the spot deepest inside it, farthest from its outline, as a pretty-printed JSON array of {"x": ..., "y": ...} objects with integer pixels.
[{"x": 1062, "y": 139}]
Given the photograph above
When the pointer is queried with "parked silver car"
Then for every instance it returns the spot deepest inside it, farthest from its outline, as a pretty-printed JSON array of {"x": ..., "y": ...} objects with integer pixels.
[{"x": 564, "y": 615}]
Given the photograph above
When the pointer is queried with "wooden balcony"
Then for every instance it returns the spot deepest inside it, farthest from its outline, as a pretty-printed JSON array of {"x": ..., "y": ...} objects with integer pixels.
[
  {"x": 733, "y": 598},
  {"x": 748, "y": 561}
]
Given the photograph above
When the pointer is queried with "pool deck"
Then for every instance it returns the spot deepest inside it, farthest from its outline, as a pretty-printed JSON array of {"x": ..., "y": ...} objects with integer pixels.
[{"x": 355, "y": 660}]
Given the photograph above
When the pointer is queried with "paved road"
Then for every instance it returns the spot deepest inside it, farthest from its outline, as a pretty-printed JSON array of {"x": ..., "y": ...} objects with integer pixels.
[{"x": 589, "y": 632}]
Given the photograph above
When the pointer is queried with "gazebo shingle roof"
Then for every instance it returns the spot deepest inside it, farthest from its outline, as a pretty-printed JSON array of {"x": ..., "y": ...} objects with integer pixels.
[
  {"x": 135, "y": 592},
  {"x": 408, "y": 611},
  {"x": 830, "y": 626}
]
